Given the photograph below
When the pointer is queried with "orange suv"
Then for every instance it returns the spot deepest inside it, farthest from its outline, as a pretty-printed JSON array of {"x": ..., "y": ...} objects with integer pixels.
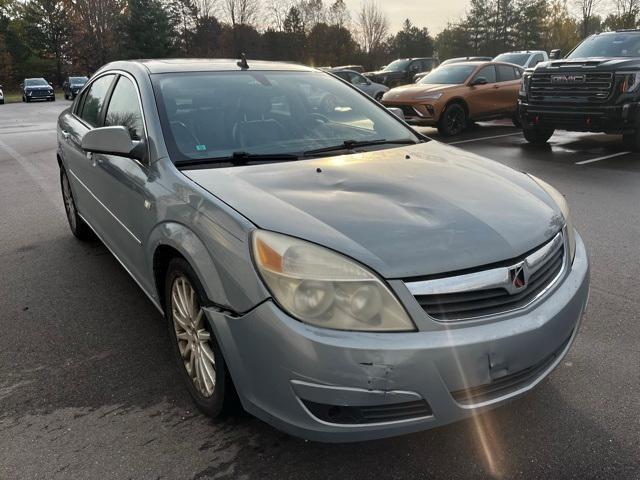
[{"x": 453, "y": 95}]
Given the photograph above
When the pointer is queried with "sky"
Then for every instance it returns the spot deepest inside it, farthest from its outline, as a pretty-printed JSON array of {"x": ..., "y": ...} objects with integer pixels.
[{"x": 433, "y": 14}]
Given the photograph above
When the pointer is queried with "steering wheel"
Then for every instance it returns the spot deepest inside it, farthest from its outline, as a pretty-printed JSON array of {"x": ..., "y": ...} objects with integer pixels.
[{"x": 319, "y": 117}]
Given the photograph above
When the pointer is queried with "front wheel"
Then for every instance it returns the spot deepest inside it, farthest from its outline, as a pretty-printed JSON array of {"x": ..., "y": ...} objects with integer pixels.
[
  {"x": 453, "y": 120},
  {"x": 537, "y": 136},
  {"x": 196, "y": 350},
  {"x": 379, "y": 96}
]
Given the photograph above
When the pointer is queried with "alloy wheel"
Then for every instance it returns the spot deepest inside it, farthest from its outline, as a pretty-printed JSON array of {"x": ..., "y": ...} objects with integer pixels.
[
  {"x": 194, "y": 340},
  {"x": 69, "y": 205},
  {"x": 454, "y": 121}
]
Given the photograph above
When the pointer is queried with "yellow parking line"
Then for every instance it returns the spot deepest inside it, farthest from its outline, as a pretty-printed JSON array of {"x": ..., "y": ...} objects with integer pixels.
[{"x": 619, "y": 154}]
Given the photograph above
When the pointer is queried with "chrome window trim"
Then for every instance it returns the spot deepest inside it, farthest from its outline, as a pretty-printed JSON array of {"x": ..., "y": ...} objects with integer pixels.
[
  {"x": 494, "y": 278},
  {"x": 138, "y": 241}
]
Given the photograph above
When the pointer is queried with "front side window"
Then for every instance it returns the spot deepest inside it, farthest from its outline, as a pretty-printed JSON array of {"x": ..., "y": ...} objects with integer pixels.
[
  {"x": 216, "y": 115},
  {"x": 124, "y": 109},
  {"x": 452, "y": 74},
  {"x": 619, "y": 44},
  {"x": 358, "y": 79},
  {"x": 488, "y": 73},
  {"x": 506, "y": 73},
  {"x": 94, "y": 100},
  {"x": 397, "y": 65}
]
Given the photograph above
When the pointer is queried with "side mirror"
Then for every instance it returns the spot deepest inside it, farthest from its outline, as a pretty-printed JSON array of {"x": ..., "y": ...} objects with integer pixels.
[
  {"x": 397, "y": 112},
  {"x": 478, "y": 81},
  {"x": 555, "y": 54},
  {"x": 112, "y": 141},
  {"x": 50, "y": 84}
]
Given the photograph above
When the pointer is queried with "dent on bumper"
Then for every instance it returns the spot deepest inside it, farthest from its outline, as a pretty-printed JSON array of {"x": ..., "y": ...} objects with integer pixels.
[{"x": 277, "y": 362}]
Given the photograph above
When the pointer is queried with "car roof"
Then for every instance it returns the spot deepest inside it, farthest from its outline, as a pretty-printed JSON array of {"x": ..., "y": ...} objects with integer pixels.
[
  {"x": 179, "y": 65},
  {"x": 34, "y": 78},
  {"x": 522, "y": 51}
]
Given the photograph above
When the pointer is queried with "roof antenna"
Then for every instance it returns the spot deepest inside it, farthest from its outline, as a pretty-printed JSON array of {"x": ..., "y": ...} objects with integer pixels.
[{"x": 242, "y": 63}]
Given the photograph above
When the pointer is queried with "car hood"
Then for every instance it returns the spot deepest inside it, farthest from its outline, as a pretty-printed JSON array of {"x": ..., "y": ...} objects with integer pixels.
[
  {"x": 39, "y": 87},
  {"x": 441, "y": 210},
  {"x": 410, "y": 92},
  {"x": 604, "y": 64}
]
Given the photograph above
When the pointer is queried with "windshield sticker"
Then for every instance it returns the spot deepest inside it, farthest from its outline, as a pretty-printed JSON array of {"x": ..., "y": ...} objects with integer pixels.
[{"x": 201, "y": 148}]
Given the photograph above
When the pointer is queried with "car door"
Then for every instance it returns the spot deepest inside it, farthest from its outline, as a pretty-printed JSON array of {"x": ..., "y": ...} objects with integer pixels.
[
  {"x": 81, "y": 167},
  {"x": 483, "y": 99},
  {"x": 123, "y": 183},
  {"x": 508, "y": 85}
]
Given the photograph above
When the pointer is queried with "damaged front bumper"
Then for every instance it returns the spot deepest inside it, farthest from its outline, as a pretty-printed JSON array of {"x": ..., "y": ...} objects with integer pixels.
[{"x": 338, "y": 386}]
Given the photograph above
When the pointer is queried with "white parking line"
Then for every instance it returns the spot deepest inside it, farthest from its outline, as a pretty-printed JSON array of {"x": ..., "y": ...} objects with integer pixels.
[
  {"x": 613, "y": 155},
  {"x": 484, "y": 138}
]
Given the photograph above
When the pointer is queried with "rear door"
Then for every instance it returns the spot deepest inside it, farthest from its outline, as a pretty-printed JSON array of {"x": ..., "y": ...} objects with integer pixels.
[
  {"x": 508, "y": 85},
  {"x": 483, "y": 99}
]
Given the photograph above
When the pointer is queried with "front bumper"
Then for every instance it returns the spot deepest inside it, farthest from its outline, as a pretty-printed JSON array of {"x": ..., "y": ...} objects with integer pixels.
[
  {"x": 590, "y": 118},
  {"x": 425, "y": 115},
  {"x": 40, "y": 95},
  {"x": 283, "y": 369}
]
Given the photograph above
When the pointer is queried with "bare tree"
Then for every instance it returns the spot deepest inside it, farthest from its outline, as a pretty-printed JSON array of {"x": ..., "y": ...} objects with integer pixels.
[
  {"x": 338, "y": 14},
  {"x": 587, "y": 9},
  {"x": 278, "y": 11},
  {"x": 241, "y": 12},
  {"x": 373, "y": 25},
  {"x": 206, "y": 8}
]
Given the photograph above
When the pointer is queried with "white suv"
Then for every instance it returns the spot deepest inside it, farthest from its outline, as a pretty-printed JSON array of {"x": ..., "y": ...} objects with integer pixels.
[
  {"x": 525, "y": 58},
  {"x": 1, "y": 96}
]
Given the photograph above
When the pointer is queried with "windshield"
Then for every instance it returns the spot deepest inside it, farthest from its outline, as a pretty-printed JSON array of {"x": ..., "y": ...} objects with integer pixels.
[
  {"x": 397, "y": 65},
  {"x": 78, "y": 80},
  {"x": 452, "y": 74},
  {"x": 517, "y": 58},
  {"x": 35, "y": 82},
  {"x": 216, "y": 115},
  {"x": 609, "y": 45}
]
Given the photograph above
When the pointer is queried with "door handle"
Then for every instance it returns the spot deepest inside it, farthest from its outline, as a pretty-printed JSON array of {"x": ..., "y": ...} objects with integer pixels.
[{"x": 65, "y": 134}]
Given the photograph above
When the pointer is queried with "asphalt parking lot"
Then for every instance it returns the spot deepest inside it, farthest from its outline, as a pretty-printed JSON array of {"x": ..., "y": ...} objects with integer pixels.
[{"x": 89, "y": 389}]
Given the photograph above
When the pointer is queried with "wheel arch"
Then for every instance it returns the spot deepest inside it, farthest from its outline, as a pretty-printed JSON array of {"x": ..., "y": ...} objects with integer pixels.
[
  {"x": 170, "y": 240},
  {"x": 461, "y": 101}
]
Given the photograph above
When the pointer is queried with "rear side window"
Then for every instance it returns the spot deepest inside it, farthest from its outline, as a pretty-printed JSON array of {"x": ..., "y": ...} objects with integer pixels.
[
  {"x": 506, "y": 73},
  {"x": 488, "y": 72},
  {"x": 94, "y": 100},
  {"x": 124, "y": 109}
]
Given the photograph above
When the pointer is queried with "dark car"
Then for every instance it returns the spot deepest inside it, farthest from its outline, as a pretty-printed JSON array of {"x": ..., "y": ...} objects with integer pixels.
[
  {"x": 594, "y": 89},
  {"x": 72, "y": 85},
  {"x": 402, "y": 71},
  {"x": 37, "y": 89}
]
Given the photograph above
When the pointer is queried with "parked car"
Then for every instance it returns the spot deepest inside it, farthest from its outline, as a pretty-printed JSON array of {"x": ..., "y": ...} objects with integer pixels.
[
  {"x": 526, "y": 59},
  {"x": 355, "y": 68},
  {"x": 453, "y": 95},
  {"x": 420, "y": 76},
  {"x": 593, "y": 89},
  {"x": 1, "y": 96},
  {"x": 349, "y": 278},
  {"x": 72, "y": 85},
  {"x": 402, "y": 71},
  {"x": 37, "y": 89},
  {"x": 375, "y": 90}
]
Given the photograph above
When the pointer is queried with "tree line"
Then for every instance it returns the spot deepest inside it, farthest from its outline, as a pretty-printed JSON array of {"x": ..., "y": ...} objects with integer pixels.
[{"x": 55, "y": 38}]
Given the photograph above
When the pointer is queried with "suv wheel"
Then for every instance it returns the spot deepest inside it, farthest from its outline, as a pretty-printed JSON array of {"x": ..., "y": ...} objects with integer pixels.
[
  {"x": 77, "y": 225},
  {"x": 195, "y": 347},
  {"x": 632, "y": 141},
  {"x": 537, "y": 136},
  {"x": 453, "y": 120}
]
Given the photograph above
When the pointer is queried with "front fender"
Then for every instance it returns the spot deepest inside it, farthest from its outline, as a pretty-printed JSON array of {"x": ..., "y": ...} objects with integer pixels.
[{"x": 226, "y": 272}]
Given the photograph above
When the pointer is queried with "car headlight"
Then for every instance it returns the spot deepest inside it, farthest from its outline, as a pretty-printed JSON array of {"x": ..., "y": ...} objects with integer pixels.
[
  {"x": 524, "y": 84},
  {"x": 430, "y": 96},
  {"x": 325, "y": 289},
  {"x": 630, "y": 81},
  {"x": 564, "y": 208}
]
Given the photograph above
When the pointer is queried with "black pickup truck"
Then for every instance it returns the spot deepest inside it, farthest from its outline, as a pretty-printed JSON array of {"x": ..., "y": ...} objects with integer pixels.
[{"x": 595, "y": 88}]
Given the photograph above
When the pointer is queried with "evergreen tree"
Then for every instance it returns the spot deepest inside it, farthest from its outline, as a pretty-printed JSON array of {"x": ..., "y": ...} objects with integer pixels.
[
  {"x": 147, "y": 30},
  {"x": 411, "y": 41}
]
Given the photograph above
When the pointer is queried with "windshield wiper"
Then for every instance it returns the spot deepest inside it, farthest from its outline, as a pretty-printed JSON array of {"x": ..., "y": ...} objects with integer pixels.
[
  {"x": 351, "y": 144},
  {"x": 242, "y": 158}
]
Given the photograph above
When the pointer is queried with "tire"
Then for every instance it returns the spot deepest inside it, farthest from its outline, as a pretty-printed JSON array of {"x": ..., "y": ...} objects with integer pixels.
[
  {"x": 27, "y": 100},
  {"x": 453, "y": 120},
  {"x": 537, "y": 136},
  {"x": 66, "y": 97},
  {"x": 516, "y": 121},
  {"x": 220, "y": 398},
  {"x": 632, "y": 141},
  {"x": 379, "y": 96},
  {"x": 77, "y": 225}
]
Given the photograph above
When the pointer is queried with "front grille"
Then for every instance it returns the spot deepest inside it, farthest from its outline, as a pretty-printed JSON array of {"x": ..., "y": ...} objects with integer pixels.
[
  {"x": 352, "y": 415},
  {"x": 495, "y": 298},
  {"x": 39, "y": 93},
  {"x": 508, "y": 383},
  {"x": 596, "y": 87}
]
